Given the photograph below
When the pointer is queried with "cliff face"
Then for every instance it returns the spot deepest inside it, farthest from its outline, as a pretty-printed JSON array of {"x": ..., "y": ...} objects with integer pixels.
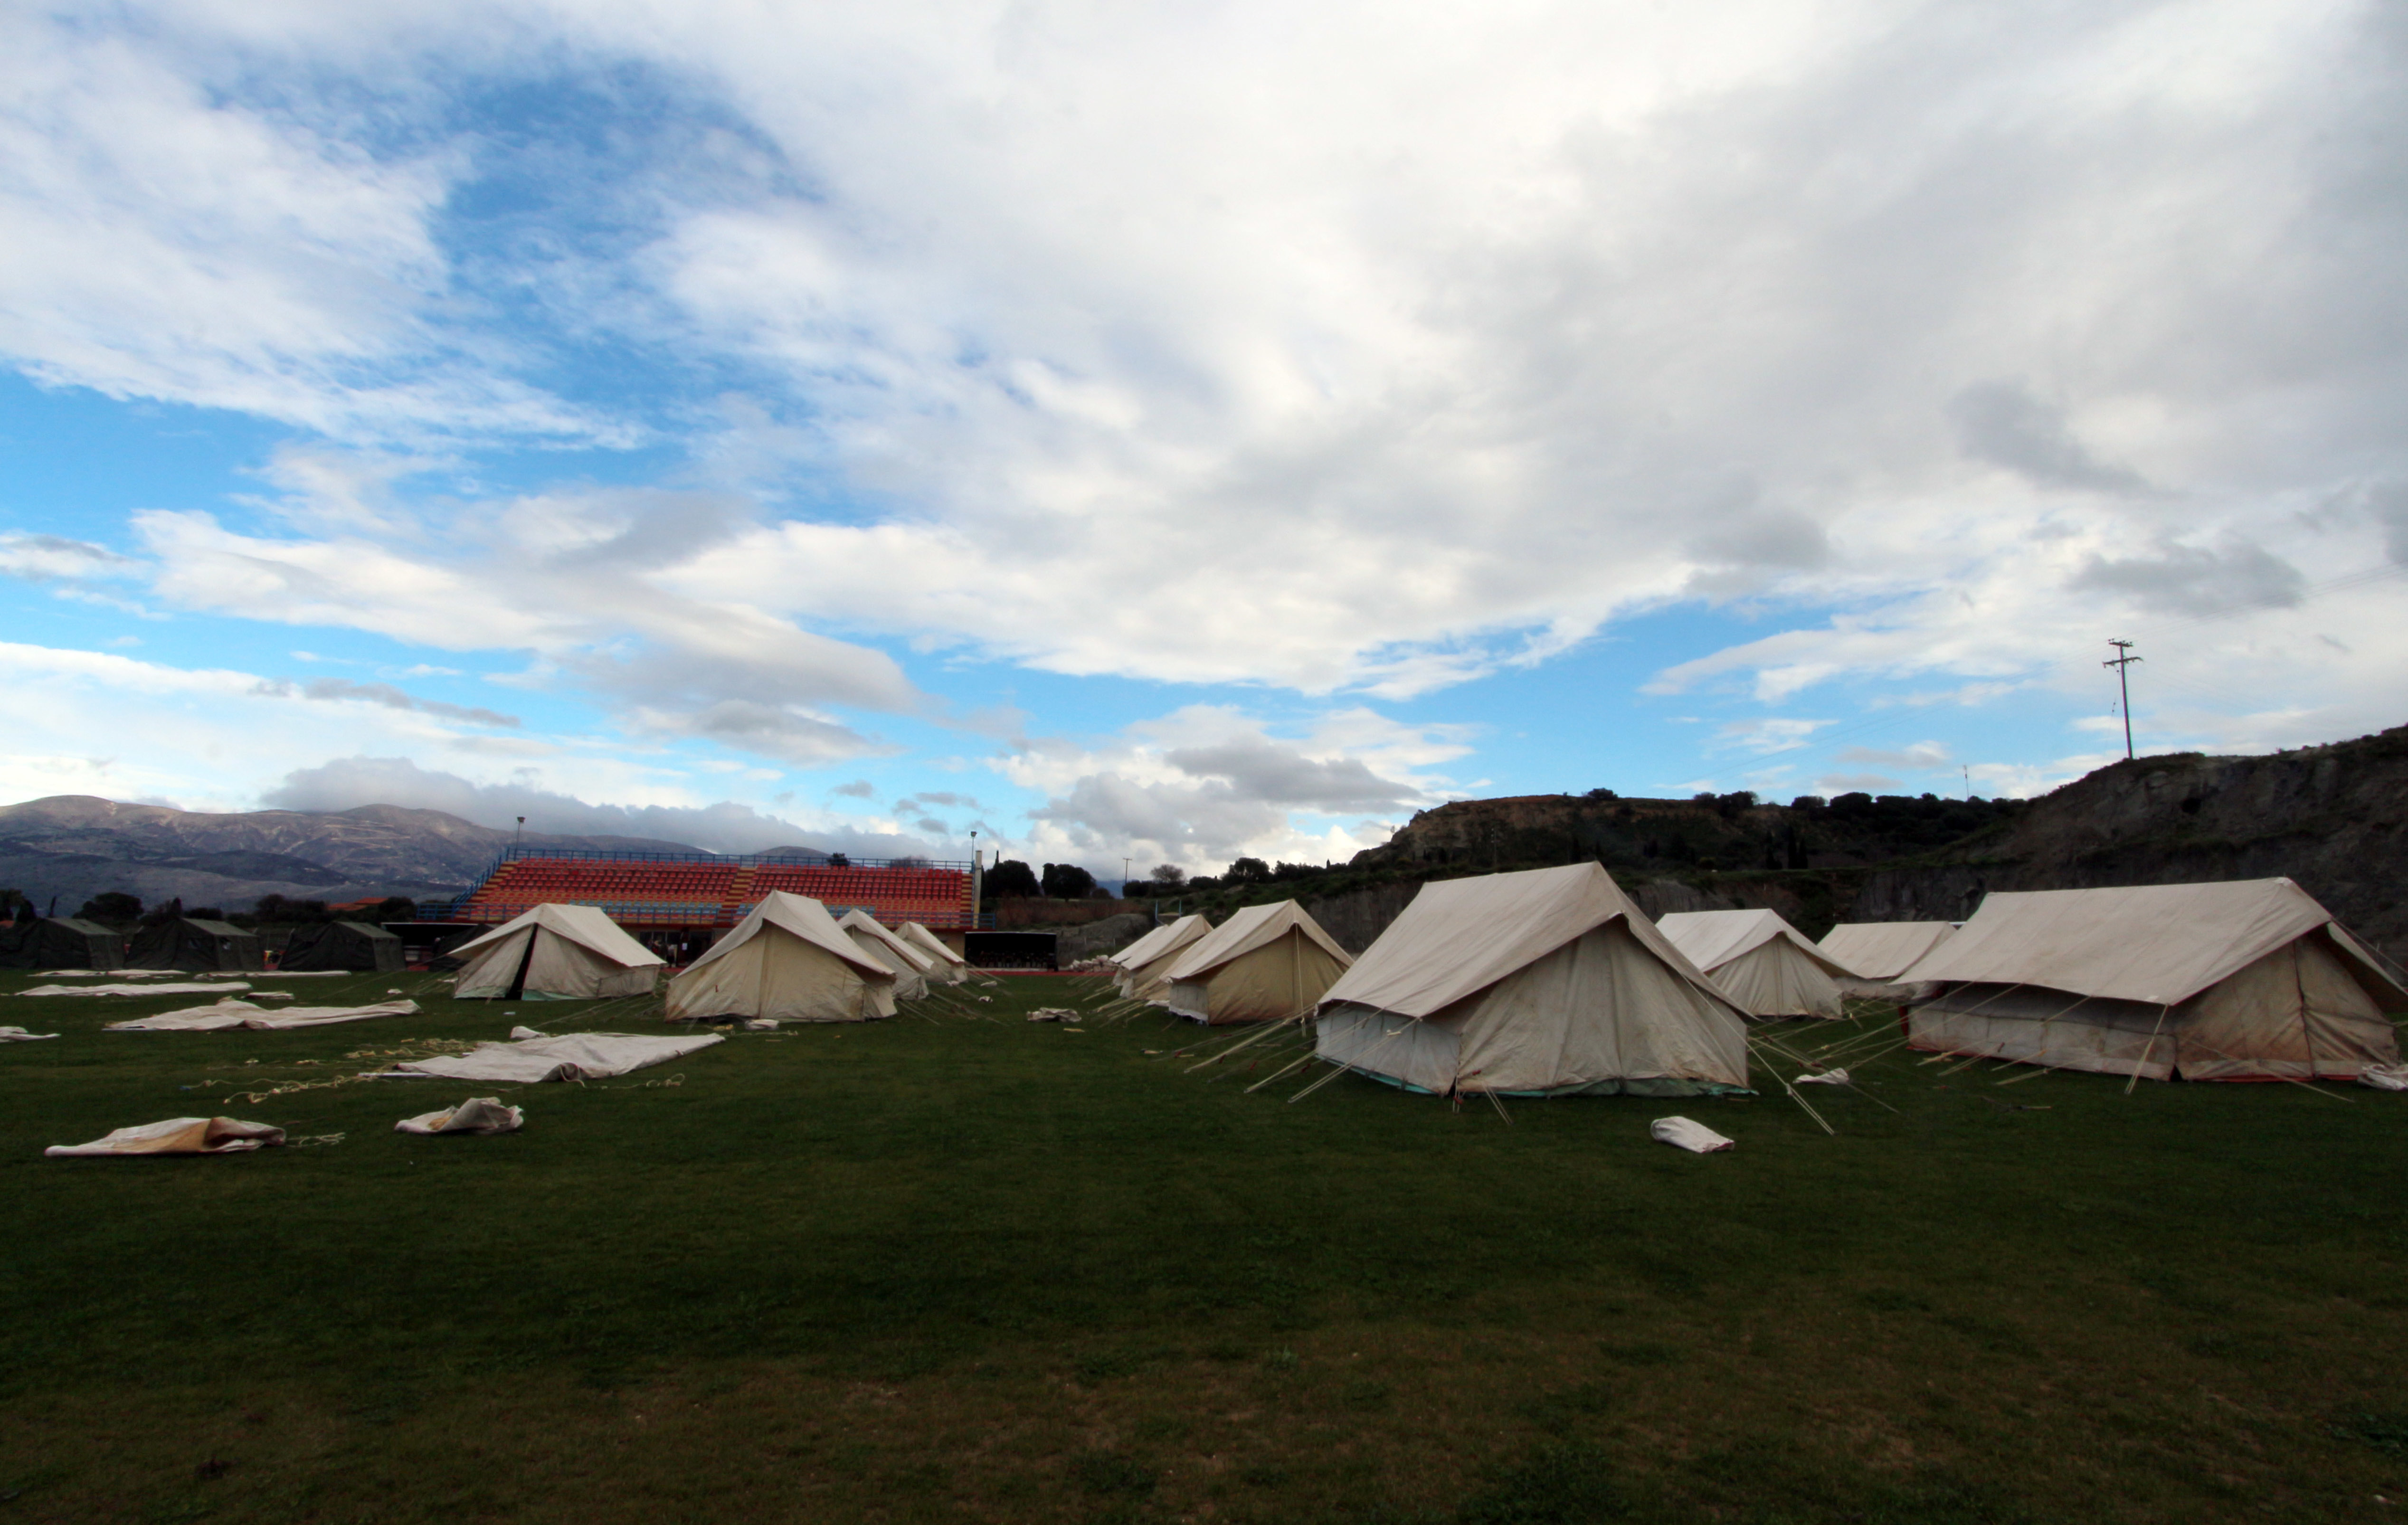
[{"x": 2333, "y": 818}]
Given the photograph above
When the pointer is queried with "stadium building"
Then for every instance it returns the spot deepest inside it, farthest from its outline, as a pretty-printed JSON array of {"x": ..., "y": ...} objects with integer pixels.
[{"x": 677, "y": 904}]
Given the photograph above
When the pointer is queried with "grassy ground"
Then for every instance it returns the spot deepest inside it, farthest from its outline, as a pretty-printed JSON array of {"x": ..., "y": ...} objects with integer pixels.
[{"x": 964, "y": 1270}]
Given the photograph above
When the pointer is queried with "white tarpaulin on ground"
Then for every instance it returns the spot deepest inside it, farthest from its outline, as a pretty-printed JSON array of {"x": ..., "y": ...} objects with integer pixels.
[
  {"x": 946, "y": 967},
  {"x": 1880, "y": 951},
  {"x": 477, "y": 1114},
  {"x": 1544, "y": 983},
  {"x": 555, "y": 953},
  {"x": 1148, "y": 978},
  {"x": 573, "y": 1056},
  {"x": 1765, "y": 966},
  {"x": 1681, "y": 1134},
  {"x": 911, "y": 966},
  {"x": 222, "y": 1014},
  {"x": 1266, "y": 963},
  {"x": 177, "y": 1136},
  {"x": 19, "y": 1035},
  {"x": 2246, "y": 980},
  {"x": 788, "y": 961},
  {"x": 171, "y": 988}
]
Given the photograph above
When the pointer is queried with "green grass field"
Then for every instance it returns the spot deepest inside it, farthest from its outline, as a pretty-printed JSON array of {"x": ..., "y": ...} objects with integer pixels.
[{"x": 971, "y": 1270}]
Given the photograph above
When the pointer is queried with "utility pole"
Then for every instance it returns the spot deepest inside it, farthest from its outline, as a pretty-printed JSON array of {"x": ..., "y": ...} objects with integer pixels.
[
  {"x": 2122, "y": 662},
  {"x": 1967, "y": 768},
  {"x": 516, "y": 835},
  {"x": 1124, "y": 873}
]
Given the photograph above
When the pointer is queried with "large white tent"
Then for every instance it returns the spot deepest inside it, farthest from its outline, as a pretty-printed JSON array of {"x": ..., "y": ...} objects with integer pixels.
[
  {"x": 788, "y": 961},
  {"x": 555, "y": 953},
  {"x": 1140, "y": 950},
  {"x": 1148, "y": 978},
  {"x": 911, "y": 966},
  {"x": 1264, "y": 964},
  {"x": 945, "y": 966},
  {"x": 2248, "y": 979},
  {"x": 1880, "y": 951},
  {"x": 1545, "y": 982},
  {"x": 1765, "y": 966}
]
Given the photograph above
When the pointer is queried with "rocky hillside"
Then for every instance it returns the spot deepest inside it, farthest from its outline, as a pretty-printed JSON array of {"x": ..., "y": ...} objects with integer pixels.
[
  {"x": 2334, "y": 818},
  {"x": 74, "y": 846}
]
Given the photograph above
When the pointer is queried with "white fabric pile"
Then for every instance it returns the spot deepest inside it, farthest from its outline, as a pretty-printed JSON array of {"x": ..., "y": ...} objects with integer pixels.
[
  {"x": 1683, "y": 1134},
  {"x": 2383, "y": 1077},
  {"x": 1053, "y": 1013},
  {"x": 573, "y": 1056},
  {"x": 1828, "y": 1077},
  {"x": 177, "y": 1136},
  {"x": 243, "y": 1013},
  {"x": 477, "y": 1114},
  {"x": 19, "y": 1035},
  {"x": 178, "y": 987}
]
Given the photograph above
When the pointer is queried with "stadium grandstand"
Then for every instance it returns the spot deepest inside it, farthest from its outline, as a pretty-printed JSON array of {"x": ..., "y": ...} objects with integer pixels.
[{"x": 674, "y": 902}]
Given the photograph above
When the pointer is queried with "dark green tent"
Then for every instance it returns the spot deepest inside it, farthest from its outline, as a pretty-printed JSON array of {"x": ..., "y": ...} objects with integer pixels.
[
  {"x": 61, "y": 942},
  {"x": 343, "y": 945},
  {"x": 183, "y": 942}
]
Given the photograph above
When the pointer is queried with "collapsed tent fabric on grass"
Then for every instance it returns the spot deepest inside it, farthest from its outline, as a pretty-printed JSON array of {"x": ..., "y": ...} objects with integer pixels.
[
  {"x": 230, "y": 1013},
  {"x": 911, "y": 966},
  {"x": 1878, "y": 952},
  {"x": 1145, "y": 972},
  {"x": 336, "y": 946},
  {"x": 175, "y": 1136},
  {"x": 165, "y": 988},
  {"x": 1767, "y": 967},
  {"x": 571, "y": 1056},
  {"x": 1546, "y": 983},
  {"x": 478, "y": 1114},
  {"x": 60, "y": 943},
  {"x": 945, "y": 966},
  {"x": 184, "y": 942},
  {"x": 555, "y": 953},
  {"x": 1265, "y": 964},
  {"x": 788, "y": 961},
  {"x": 2249, "y": 980}
]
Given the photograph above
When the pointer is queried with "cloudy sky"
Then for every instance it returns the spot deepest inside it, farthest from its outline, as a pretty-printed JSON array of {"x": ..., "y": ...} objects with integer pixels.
[{"x": 1183, "y": 430}]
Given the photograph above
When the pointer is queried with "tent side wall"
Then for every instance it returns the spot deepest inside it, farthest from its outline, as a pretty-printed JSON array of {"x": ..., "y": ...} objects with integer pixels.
[
  {"x": 1600, "y": 1015},
  {"x": 1281, "y": 979},
  {"x": 778, "y": 975},
  {"x": 341, "y": 944},
  {"x": 1777, "y": 978},
  {"x": 2295, "y": 1014}
]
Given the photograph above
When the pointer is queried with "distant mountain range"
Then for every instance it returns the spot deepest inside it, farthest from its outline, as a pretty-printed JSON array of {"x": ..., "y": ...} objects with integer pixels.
[{"x": 72, "y": 847}]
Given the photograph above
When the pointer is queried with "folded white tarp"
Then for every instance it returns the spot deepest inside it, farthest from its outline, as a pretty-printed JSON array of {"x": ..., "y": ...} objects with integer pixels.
[
  {"x": 1828, "y": 1077},
  {"x": 176, "y": 988},
  {"x": 19, "y": 1035},
  {"x": 177, "y": 1136},
  {"x": 477, "y": 1114},
  {"x": 106, "y": 973},
  {"x": 222, "y": 1014},
  {"x": 573, "y": 1055},
  {"x": 1681, "y": 1134}
]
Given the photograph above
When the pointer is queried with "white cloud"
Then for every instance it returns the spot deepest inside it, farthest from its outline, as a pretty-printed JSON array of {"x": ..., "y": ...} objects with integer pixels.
[{"x": 1207, "y": 783}]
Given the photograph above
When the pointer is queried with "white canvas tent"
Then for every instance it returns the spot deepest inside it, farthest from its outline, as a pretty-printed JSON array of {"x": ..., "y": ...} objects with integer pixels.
[
  {"x": 1148, "y": 978},
  {"x": 1265, "y": 964},
  {"x": 2249, "y": 980},
  {"x": 945, "y": 966},
  {"x": 1140, "y": 950},
  {"x": 1546, "y": 983},
  {"x": 555, "y": 953},
  {"x": 1765, "y": 966},
  {"x": 911, "y": 966},
  {"x": 1880, "y": 951},
  {"x": 788, "y": 961}
]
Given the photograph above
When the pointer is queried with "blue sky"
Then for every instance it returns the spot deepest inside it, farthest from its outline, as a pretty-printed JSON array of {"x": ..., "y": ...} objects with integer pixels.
[{"x": 1183, "y": 432}]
